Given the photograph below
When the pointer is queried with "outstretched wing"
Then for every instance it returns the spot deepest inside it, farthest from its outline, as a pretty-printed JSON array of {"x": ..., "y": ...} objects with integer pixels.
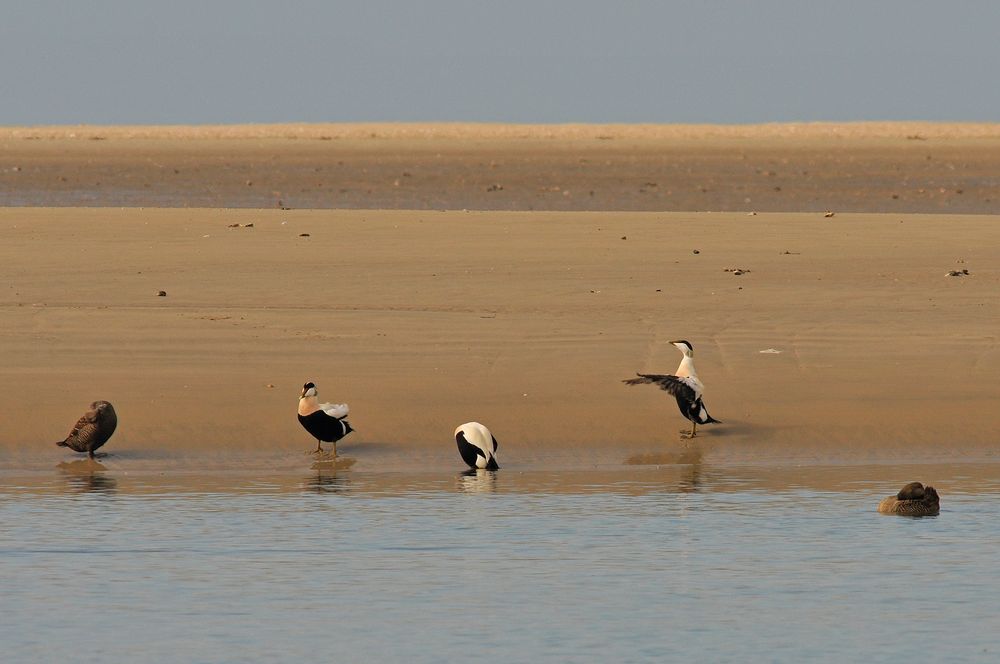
[
  {"x": 683, "y": 389},
  {"x": 672, "y": 385}
]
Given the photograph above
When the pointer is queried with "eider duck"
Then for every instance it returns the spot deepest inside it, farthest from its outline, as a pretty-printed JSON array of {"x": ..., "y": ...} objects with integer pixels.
[
  {"x": 324, "y": 421},
  {"x": 684, "y": 386},
  {"x": 477, "y": 446},
  {"x": 914, "y": 499},
  {"x": 93, "y": 429}
]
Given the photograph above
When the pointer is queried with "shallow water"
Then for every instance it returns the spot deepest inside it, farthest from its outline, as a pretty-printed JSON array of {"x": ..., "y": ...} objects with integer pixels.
[{"x": 637, "y": 565}]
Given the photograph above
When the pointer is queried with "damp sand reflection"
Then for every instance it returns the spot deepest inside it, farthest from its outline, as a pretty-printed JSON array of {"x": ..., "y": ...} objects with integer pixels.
[{"x": 87, "y": 476}]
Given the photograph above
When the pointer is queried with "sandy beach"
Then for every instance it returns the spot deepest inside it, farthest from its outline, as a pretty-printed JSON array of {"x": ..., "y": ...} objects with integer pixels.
[
  {"x": 524, "y": 320},
  {"x": 840, "y": 339}
]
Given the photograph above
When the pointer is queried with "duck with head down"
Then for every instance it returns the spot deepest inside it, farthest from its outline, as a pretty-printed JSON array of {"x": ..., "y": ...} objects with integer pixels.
[{"x": 477, "y": 446}]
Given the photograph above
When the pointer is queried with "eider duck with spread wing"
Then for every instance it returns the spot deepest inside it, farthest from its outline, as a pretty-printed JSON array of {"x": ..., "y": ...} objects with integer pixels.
[{"x": 685, "y": 386}]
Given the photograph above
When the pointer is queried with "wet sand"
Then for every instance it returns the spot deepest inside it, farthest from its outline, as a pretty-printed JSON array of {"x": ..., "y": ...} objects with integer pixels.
[
  {"x": 527, "y": 321},
  {"x": 118, "y": 476},
  {"x": 865, "y": 167}
]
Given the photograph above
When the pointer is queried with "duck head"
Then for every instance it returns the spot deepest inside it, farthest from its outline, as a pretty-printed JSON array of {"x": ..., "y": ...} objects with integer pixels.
[{"x": 684, "y": 347}]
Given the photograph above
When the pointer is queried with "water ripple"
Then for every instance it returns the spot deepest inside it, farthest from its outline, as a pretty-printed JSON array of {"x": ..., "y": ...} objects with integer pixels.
[{"x": 429, "y": 569}]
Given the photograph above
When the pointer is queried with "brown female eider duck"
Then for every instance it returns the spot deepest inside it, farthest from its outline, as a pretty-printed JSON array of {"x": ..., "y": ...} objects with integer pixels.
[
  {"x": 914, "y": 499},
  {"x": 93, "y": 429}
]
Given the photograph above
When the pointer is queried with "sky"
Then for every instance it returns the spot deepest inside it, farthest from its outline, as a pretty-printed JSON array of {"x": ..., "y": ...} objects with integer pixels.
[{"x": 534, "y": 61}]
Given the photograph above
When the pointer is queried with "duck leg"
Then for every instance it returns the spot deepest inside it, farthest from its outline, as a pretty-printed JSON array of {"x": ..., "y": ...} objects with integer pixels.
[
  {"x": 694, "y": 428},
  {"x": 319, "y": 446}
]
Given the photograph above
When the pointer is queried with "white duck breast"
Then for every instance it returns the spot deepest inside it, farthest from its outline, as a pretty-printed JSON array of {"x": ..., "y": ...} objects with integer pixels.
[{"x": 477, "y": 446}]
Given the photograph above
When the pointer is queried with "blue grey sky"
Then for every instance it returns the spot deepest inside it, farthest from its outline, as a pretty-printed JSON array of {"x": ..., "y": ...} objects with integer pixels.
[{"x": 230, "y": 61}]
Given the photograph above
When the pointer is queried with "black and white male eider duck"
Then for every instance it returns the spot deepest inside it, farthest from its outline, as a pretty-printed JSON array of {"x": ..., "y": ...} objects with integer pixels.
[
  {"x": 93, "y": 429},
  {"x": 324, "y": 421},
  {"x": 914, "y": 499},
  {"x": 684, "y": 386},
  {"x": 477, "y": 446}
]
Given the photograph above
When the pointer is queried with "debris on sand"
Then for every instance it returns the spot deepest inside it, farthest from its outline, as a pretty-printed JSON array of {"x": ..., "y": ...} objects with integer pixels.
[
  {"x": 737, "y": 270},
  {"x": 829, "y": 214},
  {"x": 161, "y": 293},
  {"x": 957, "y": 273}
]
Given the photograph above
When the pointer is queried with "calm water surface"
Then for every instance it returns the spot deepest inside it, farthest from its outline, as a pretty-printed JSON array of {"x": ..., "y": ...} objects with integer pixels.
[{"x": 628, "y": 566}]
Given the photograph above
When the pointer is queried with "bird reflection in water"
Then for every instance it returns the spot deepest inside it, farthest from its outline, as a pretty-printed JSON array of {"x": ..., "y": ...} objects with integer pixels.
[
  {"x": 88, "y": 476},
  {"x": 477, "y": 481},
  {"x": 691, "y": 474},
  {"x": 329, "y": 477},
  {"x": 686, "y": 462}
]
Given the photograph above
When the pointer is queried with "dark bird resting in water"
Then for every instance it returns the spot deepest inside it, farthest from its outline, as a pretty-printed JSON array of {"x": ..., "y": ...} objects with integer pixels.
[
  {"x": 477, "y": 446},
  {"x": 914, "y": 499},
  {"x": 325, "y": 421},
  {"x": 684, "y": 386},
  {"x": 93, "y": 429}
]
